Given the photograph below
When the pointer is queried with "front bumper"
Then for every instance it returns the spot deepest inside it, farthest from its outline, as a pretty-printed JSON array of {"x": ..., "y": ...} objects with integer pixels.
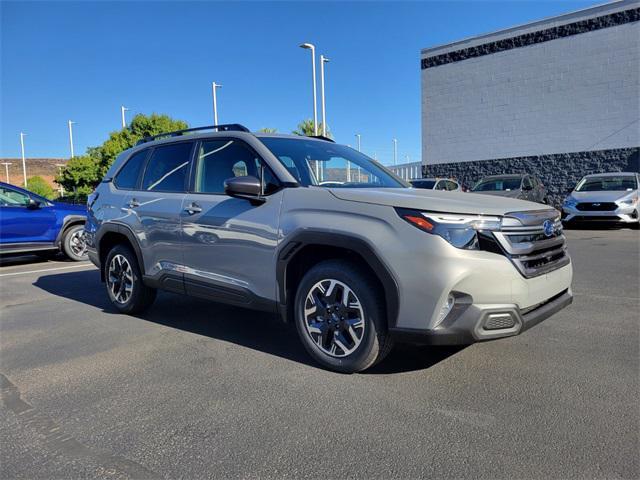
[
  {"x": 620, "y": 215},
  {"x": 475, "y": 323}
]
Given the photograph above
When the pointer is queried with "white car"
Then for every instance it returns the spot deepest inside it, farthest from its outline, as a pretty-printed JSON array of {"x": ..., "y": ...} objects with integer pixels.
[
  {"x": 436, "y": 184},
  {"x": 608, "y": 197}
]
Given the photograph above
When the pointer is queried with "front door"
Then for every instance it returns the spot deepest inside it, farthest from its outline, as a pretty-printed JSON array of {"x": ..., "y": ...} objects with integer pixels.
[
  {"x": 21, "y": 224},
  {"x": 153, "y": 211},
  {"x": 229, "y": 243}
]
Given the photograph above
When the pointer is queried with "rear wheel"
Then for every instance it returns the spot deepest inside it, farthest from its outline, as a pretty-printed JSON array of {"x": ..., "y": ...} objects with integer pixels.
[
  {"x": 73, "y": 243},
  {"x": 124, "y": 283},
  {"x": 340, "y": 318}
]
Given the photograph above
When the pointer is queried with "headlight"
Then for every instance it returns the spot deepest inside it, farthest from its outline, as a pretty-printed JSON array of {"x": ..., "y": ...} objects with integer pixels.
[
  {"x": 570, "y": 202},
  {"x": 628, "y": 202},
  {"x": 461, "y": 231}
]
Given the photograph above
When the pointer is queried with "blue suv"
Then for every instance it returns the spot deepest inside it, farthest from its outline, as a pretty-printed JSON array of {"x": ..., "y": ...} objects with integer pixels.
[{"x": 31, "y": 223}]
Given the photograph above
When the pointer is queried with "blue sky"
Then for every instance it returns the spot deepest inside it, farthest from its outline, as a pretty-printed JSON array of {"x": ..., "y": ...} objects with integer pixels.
[{"x": 82, "y": 60}]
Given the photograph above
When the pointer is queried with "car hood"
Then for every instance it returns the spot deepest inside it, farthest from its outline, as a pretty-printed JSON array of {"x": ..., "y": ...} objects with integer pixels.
[
  {"x": 72, "y": 209},
  {"x": 501, "y": 193},
  {"x": 601, "y": 196},
  {"x": 435, "y": 200}
]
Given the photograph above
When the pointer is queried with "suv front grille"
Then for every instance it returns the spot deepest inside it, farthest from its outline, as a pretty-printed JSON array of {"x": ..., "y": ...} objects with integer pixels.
[
  {"x": 531, "y": 249},
  {"x": 596, "y": 207}
]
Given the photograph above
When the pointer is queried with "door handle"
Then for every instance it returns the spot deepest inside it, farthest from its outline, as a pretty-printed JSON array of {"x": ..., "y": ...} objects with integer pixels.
[
  {"x": 133, "y": 203},
  {"x": 193, "y": 209}
]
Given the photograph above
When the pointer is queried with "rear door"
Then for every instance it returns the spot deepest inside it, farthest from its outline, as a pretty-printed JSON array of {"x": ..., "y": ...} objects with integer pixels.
[
  {"x": 153, "y": 211},
  {"x": 20, "y": 224},
  {"x": 229, "y": 243}
]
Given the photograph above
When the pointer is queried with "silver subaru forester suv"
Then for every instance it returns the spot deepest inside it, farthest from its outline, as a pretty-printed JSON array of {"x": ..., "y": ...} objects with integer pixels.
[{"x": 327, "y": 238}]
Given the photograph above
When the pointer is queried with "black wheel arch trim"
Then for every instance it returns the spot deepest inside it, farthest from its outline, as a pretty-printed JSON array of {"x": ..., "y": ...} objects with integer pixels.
[
  {"x": 123, "y": 230},
  {"x": 362, "y": 247},
  {"x": 68, "y": 221}
]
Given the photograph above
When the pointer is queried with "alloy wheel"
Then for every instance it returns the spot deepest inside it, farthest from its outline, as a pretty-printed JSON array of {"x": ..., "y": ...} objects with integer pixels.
[
  {"x": 334, "y": 318},
  {"x": 120, "y": 279},
  {"x": 77, "y": 243}
]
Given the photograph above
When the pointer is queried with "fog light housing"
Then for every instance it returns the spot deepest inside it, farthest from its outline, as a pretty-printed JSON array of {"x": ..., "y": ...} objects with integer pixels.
[{"x": 446, "y": 308}]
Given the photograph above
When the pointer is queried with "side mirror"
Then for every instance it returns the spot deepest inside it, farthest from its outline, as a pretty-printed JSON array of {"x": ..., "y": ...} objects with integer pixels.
[
  {"x": 247, "y": 187},
  {"x": 33, "y": 204}
]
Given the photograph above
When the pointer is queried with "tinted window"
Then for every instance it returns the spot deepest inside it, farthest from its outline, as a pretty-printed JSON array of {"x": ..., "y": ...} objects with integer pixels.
[
  {"x": 167, "y": 168},
  {"x": 219, "y": 160},
  {"x": 127, "y": 177},
  {"x": 526, "y": 183},
  {"x": 442, "y": 185},
  {"x": 13, "y": 198},
  {"x": 451, "y": 185},
  {"x": 426, "y": 184},
  {"x": 498, "y": 184}
]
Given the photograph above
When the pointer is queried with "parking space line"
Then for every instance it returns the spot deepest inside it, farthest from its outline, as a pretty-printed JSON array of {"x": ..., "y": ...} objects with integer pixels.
[{"x": 46, "y": 270}]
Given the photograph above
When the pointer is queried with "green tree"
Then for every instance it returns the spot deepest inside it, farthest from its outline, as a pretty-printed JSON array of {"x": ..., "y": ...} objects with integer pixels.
[
  {"x": 80, "y": 176},
  {"x": 39, "y": 186},
  {"x": 305, "y": 128},
  {"x": 268, "y": 130},
  {"x": 141, "y": 126}
]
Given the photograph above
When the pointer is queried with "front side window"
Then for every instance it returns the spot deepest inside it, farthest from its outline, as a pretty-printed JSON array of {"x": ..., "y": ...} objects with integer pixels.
[
  {"x": 451, "y": 185},
  {"x": 442, "y": 185},
  {"x": 608, "y": 183},
  {"x": 127, "y": 177},
  {"x": 167, "y": 168},
  {"x": 426, "y": 184},
  {"x": 219, "y": 160},
  {"x": 324, "y": 164},
  {"x": 13, "y": 198},
  {"x": 498, "y": 185}
]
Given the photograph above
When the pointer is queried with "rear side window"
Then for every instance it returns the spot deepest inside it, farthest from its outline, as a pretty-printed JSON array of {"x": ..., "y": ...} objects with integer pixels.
[
  {"x": 167, "y": 168},
  {"x": 127, "y": 177}
]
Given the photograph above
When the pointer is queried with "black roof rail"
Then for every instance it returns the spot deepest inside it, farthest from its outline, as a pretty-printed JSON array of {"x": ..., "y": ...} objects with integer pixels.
[
  {"x": 227, "y": 127},
  {"x": 321, "y": 137}
]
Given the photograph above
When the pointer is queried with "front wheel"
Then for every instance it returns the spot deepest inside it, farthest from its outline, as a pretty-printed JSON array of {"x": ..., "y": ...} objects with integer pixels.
[
  {"x": 124, "y": 283},
  {"x": 340, "y": 318}
]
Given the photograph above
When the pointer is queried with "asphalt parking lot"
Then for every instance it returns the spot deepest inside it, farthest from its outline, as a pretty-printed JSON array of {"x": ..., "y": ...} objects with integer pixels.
[{"x": 198, "y": 390}]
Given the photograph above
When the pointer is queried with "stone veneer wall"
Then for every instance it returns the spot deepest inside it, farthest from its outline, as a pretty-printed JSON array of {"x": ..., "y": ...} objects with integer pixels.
[{"x": 559, "y": 172}]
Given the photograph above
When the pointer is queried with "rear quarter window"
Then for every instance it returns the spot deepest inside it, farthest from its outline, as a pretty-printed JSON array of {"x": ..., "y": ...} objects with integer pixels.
[{"x": 127, "y": 177}]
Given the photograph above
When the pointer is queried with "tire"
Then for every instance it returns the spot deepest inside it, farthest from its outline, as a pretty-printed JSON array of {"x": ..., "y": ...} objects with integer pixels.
[
  {"x": 365, "y": 344},
  {"x": 73, "y": 244},
  {"x": 124, "y": 283}
]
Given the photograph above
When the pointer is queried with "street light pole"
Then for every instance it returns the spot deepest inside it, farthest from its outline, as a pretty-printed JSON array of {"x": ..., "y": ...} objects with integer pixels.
[
  {"x": 310, "y": 46},
  {"x": 395, "y": 151},
  {"x": 215, "y": 85},
  {"x": 358, "y": 137},
  {"x": 24, "y": 164},
  {"x": 60, "y": 165},
  {"x": 323, "y": 60},
  {"x": 124, "y": 120},
  {"x": 6, "y": 169},
  {"x": 71, "y": 137}
]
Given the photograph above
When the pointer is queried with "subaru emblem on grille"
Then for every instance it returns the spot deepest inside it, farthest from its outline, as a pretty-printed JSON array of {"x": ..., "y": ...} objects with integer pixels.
[{"x": 548, "y": 228}]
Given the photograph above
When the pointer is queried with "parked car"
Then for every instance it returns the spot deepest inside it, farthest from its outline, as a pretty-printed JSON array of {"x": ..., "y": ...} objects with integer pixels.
[
  {"x": 609, "y": 197},
  {"x": 522, "y": 186},
  {"x": 355, "y": 265},
  {"x": 436, "y": 184},
  {"x": 31, "y": 223}
]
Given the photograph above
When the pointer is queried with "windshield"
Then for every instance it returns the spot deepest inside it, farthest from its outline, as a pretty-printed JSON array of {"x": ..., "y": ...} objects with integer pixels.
[
  {"x": 329, "y": 165},
  {"x": 498, "y": 185},
  {"x": 428, "y": 184},
  {"x": 606, "y": 184}
]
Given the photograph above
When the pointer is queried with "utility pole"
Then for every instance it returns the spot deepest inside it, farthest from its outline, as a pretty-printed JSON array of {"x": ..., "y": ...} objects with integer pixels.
[
  {"x": 124, "y": 120},
  {"x": 71, "y": 137},
  {"x": 6, "y": 169},
  {"x": 310, "y": 46},
  {"x": 24, "y": 164},
  {"x": 323, "y": 60},
  {"x": 215, "y": 85},
  {"x": 60, "y": 165}
]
